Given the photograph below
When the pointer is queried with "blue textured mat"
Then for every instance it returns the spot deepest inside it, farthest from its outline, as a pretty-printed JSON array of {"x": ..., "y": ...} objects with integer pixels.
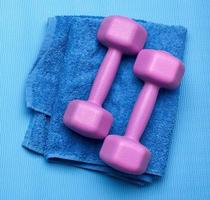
[{"x": 65, "y": 69}]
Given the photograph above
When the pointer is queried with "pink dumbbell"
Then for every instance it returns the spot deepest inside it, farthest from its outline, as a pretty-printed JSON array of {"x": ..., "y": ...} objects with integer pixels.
[
  {"x": 122, "y": 36},
  {"x": 158, "y": 69}
]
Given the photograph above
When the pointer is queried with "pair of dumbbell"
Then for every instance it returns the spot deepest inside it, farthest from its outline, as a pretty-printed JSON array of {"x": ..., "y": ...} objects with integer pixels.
[{"x": 156, "y": 68}]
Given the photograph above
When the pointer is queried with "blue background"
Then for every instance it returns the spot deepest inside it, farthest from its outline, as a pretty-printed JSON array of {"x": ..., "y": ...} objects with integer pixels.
[{"x": 24, "y": 175}]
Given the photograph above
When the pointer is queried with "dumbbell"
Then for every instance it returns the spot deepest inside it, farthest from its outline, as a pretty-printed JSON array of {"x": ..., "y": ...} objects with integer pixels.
[
  {"x": 158, "y": 69},
  {"x": 122, "y": 36}
]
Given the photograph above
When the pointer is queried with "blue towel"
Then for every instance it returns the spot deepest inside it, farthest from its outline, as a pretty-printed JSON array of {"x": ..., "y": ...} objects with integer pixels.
[{"x": 65, "y": 69}]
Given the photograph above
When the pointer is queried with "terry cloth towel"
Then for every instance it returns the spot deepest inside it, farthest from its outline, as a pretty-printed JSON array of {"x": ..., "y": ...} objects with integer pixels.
[{"x": 65, "y": 69}]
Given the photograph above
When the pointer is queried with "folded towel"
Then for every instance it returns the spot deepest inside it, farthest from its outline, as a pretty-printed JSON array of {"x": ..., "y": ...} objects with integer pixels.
[{"x": 65, "y": 69}]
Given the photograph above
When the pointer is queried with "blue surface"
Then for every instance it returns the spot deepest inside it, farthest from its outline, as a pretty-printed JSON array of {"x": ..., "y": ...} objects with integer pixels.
[
  {"x": 26, "y": 176},
  {"x": 68, "y": 49}
]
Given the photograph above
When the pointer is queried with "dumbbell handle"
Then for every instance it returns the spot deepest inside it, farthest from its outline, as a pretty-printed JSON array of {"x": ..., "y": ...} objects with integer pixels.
[
  {"x": 105, "y": 76},
  {"x": 142, "y": 111}
]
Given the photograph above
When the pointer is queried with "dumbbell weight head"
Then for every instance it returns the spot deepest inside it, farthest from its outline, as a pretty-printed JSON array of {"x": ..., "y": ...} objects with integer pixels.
[
  {"x": 159, "y": 67},
  {"x": 125, "y": 154},
  {"x": 88, "y": 119},
  {"x": 123, "y": 34}
]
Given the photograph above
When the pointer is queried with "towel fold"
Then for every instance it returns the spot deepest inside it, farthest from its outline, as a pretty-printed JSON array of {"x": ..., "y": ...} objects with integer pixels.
[{"x": 65, "y": 69}]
